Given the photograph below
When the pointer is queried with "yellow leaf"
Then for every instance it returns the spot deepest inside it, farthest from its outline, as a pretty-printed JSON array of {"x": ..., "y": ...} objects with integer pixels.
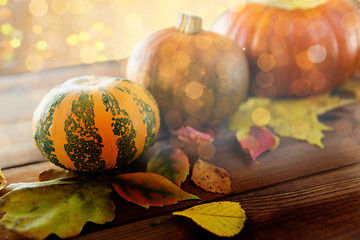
[
  {"x": 295, "y": 118},
  {"x": 2, "y": 180},
  {"x": 225, "y": 219}
]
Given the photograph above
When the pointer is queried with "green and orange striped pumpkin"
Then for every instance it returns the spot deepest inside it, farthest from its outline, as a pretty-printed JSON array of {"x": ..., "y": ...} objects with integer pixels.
[{"x": 93, "y": 123}]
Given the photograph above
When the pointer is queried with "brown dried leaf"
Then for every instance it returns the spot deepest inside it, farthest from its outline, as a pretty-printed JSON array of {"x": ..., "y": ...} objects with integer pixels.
[{"x": 211, "y": 178}]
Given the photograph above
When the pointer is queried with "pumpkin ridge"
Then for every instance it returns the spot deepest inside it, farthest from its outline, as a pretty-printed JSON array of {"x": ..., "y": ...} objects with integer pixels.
[
  {"x": 148, "y": 119},
  {"x": 42, "y": 136},
  {"x": 340, "y": 49},
  {"x": 84, "y": 144},
  {"x": 122, "y": 127},
  {"x": 148, "y": 116},
  {"x": 154, "y": 71},
  {"x": 102, "y": 120}
]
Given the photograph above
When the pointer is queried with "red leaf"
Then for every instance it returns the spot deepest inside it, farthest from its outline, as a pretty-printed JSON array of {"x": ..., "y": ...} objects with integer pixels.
[
  {"x": 258, "y": 141},
  {"x": 191, "y": 135},
  {"x": 171, "y": 163},
  {"x": 149, "y": 189}
]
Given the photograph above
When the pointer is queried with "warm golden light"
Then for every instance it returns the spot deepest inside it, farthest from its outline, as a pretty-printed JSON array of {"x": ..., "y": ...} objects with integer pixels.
[
  {"x": 41, "y": 45},
  {"x": 350, "y": 21},
  {"x": 167, "y": 69},
  {"x": 88, "y": 54},
  {"x": 316, "y": 53},
  {"x": 194, "y": 90},
  {"x": 203, "y": 41},
  {"x": 181, "y": 59},
  {"x": 38, "y": 8},
  {"x": 236, "y": 5},
  {"x": 283, "y": 27},
  {"x": 303, "y": 61},
  {"x": 34, "y": 63},
  {"x": 3, "y": 2},
  {"x": 15, "y": 43},
  {"x": 87, "y": 31},
  {"x": 260, "y": 116},
  {"x": 6, "y": 29},
  {"x": 266, "y": 62}
]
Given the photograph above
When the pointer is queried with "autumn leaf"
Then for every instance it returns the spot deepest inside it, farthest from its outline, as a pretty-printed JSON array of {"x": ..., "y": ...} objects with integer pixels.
[
  {"x": 2, "y": 180},
  {"x": 211, "y": 178},
  {"x": 171, "y": 163},
  {"x": 149, "y": 189},
  {"x": 191, "y": 135},
  {"x": 60, "y": 206},
  {"x": 295, "y": 118},
  {"x": 52, "y": 174},
  {"x": 225, "y": 219},
  {"x": 258, "y": 140}
]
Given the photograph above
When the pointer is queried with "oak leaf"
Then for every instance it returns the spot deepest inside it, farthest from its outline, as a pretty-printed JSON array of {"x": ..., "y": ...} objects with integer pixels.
[
  {"x": 211, "y": 178},
  {"x": 59, "y": 206},
  {"x": 225, "y": 219},
  {"x": 149, "y": 189},
  {"x": 294, "y": 118},
  {"x": 171, "y": 163}
]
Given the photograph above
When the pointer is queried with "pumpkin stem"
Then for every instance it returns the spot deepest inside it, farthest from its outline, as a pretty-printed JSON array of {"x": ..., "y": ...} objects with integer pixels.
[{"x": 189, "y": 24}]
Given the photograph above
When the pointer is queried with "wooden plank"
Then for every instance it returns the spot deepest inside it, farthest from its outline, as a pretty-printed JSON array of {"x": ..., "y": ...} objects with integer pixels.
[
  {"x": 19, "y": 96},
  {"x": 325, "y": 206},
  {"x": 296, "y": 179},
  {"x": 21, "y": 93},
  {"x": 291, "y": 160}
]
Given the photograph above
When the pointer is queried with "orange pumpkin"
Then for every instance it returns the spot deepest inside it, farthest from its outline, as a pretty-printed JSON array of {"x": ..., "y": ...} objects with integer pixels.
[
  {"x": 94, "y": 123},
  {"x": 295, "y": 48},
  {"x": 198, "y": 78}
]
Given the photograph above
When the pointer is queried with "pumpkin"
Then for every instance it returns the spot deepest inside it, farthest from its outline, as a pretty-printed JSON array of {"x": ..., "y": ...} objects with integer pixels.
[
  {"x": 198, "y": 78},
  {"x": 295, "y": 48},
  {"x": 93, "y": 123}
]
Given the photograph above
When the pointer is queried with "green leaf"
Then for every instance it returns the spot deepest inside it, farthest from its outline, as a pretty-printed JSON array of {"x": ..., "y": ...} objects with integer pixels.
[
  {"x": 149, "y": 189},
  {"x": 60, "y": 206},
  {"x": 295, "y": 118},
  {"x": 225, "y": 219},
  {"x": 2, "y": 180},
  {"x": 171, "y": 163}
]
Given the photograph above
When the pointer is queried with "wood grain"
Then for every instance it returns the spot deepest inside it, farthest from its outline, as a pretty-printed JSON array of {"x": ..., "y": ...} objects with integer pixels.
[{"x": 298, "y": 191}]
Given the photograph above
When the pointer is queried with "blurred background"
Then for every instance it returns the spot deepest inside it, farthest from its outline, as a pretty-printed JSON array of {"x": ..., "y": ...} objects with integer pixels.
[{"x": 40, "y": 34}]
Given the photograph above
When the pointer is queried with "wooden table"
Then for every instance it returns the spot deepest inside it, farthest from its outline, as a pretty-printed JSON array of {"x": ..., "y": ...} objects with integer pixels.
[{"x": 298, "y": 191}]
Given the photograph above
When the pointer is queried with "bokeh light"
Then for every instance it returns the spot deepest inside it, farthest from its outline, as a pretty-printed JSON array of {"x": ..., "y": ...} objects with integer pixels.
[
  {"x": 194, "y": 90},
  {"x": 260, "y": 116},
  {"x": 69, "y": 32}
]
